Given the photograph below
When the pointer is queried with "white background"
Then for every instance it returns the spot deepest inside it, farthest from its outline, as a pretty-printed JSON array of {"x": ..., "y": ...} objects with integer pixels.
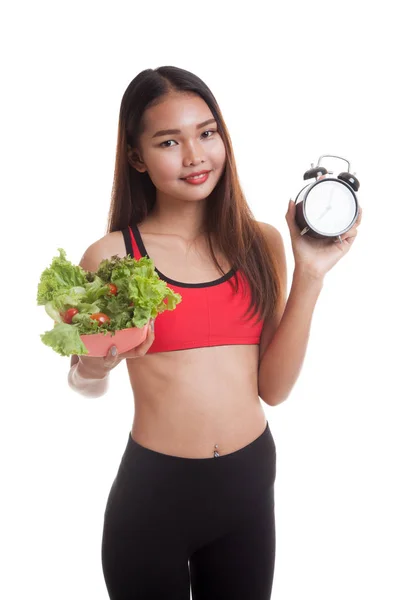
[{"x": 294, "y": 81}]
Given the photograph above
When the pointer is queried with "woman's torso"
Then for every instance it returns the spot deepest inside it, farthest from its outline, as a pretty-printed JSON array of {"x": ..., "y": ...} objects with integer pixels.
[{"x": 187, "y": 401}]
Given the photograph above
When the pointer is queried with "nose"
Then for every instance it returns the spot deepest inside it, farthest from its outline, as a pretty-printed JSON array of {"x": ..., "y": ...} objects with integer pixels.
[{"x": 194, "y": 154}]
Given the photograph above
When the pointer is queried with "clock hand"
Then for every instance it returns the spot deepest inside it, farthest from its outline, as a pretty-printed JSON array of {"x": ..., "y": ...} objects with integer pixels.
[{"x": 328, "y": 208}]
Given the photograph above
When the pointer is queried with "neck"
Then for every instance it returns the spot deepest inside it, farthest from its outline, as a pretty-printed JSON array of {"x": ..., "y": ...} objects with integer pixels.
[{"x": 185, "y": 219}]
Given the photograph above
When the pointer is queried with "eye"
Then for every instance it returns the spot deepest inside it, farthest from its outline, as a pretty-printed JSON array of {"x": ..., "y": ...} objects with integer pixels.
[
  {"x": 208, "y": 136},
  {"x": 209, "y": 131}
]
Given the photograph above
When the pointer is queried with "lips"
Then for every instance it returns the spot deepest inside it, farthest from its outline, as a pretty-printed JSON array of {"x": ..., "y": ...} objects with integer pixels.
[{"x": 195, "y": 174}]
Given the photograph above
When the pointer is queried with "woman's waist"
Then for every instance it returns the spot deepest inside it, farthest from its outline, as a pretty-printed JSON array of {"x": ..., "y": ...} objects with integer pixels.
[{"x": 194, "y": 429}]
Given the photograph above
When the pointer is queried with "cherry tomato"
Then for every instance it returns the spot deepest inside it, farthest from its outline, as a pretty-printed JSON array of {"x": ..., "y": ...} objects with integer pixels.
[
  {"x": 131, "y": 304},
  {"x": 68, "y": 314},
  {"x": 100, "y": 318},
  {"x": 113, "y": 288}
]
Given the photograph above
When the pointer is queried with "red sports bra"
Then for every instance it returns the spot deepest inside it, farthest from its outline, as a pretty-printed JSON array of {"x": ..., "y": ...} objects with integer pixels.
[{"x": 210, "y": 313}]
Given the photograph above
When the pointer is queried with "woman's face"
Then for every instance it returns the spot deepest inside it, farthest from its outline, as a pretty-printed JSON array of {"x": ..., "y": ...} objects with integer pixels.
[{"x": 170, "y": 157}]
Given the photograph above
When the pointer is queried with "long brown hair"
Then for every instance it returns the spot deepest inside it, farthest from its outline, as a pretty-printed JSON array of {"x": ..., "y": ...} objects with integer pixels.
[{"x": 228, "y": 216}]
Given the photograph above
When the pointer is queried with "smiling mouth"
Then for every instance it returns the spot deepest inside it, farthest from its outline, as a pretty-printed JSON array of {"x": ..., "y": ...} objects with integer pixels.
[{"x": 197, "y": 176}]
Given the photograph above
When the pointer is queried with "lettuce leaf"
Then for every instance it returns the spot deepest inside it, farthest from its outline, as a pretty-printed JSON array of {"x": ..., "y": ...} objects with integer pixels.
[
  {"x": 61, "y": 275},
  {"x": 64, "y": 339}
]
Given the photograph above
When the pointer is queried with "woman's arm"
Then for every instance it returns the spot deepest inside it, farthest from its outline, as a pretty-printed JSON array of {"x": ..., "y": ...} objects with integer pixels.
[
  {"x": 81, "y": 381},
  {"x": 281, "y": 362}
]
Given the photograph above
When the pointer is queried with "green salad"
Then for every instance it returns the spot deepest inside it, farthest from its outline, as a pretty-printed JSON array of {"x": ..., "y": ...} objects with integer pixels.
[{"x": 123, "y": 292}]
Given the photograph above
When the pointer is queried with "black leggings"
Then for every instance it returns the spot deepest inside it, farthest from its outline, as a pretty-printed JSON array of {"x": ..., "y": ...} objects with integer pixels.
[{"x": 172, "y": 524}]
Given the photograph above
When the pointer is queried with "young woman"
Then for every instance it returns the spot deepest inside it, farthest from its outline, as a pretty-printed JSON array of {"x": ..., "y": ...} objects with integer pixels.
[{"x": 192, "y": 504}]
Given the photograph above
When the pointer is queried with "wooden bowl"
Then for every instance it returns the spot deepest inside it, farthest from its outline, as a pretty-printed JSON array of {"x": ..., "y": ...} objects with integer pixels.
[{"x": 98, "y": 344}]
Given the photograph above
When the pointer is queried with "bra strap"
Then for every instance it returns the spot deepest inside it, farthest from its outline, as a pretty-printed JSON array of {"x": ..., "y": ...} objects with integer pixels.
[{"x": 128, "y": 242}]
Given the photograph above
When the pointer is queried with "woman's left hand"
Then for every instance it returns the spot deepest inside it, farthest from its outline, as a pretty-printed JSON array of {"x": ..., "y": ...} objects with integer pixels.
[{"x": 317, "y": 256}]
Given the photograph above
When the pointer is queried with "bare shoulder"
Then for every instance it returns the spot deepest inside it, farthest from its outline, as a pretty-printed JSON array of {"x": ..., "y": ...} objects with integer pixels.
[
  {"x": 105, "y": 247},
  {"x": 275, "y": 241},
  {"x": 273, "y": 235}
]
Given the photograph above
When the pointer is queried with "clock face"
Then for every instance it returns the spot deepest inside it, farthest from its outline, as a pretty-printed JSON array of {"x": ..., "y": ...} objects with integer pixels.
[{"x": 329, "y": 206}]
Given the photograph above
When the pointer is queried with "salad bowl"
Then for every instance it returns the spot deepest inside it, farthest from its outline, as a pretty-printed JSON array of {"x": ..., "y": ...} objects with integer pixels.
[
  {"x": 112, "y": 306},
  {"x": 98, "y": 344}
]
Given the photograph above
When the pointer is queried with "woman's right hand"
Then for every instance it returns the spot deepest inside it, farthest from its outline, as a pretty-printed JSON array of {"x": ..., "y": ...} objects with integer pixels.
[{"x": 98, "y": 367}]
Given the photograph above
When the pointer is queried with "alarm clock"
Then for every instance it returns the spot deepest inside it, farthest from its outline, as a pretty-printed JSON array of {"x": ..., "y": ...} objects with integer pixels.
[{"x": 327, "y": 207}]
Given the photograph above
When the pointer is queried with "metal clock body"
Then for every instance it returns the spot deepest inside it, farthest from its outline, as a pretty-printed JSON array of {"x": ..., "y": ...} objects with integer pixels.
[{"x": 327, "y": 207}]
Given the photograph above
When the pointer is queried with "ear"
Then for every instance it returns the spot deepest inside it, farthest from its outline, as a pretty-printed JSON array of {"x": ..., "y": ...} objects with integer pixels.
[{"x": 135, "y": 160}]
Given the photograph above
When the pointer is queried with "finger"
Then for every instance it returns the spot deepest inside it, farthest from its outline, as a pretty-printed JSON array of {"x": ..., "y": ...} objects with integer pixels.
[
  {"x": 348, "y": 237},
  {"x": 290, "y": 208},
  {"x": 111, "y": 357},
  {"x": 353, "y": 231},
  {"x": 141, "y": 350},
  {"x": 290, "y": 214}
]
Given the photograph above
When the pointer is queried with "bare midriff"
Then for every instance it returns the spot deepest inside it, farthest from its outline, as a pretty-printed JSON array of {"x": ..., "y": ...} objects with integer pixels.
[{"x": 188, "y": 401}]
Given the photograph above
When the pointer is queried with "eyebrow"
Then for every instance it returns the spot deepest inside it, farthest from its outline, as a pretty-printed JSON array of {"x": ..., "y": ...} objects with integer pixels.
[{"x": 169, "y": 131}]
